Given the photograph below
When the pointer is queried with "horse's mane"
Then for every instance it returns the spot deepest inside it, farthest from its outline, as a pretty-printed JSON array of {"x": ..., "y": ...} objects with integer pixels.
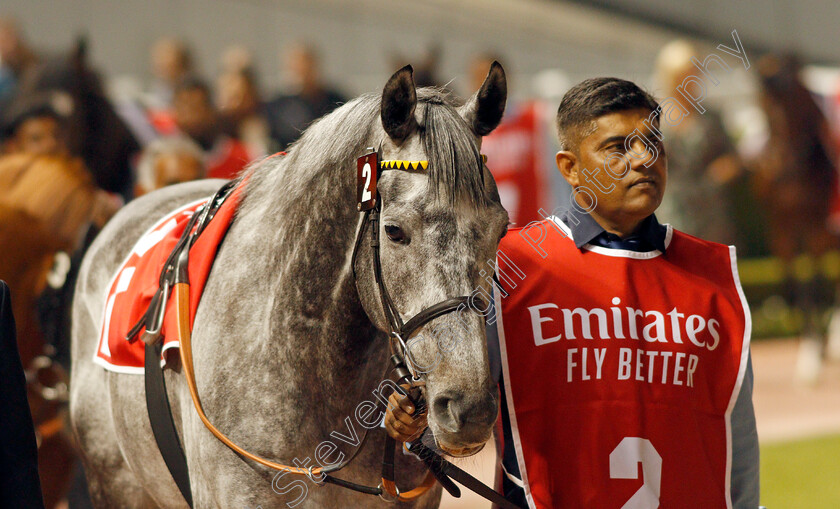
[{"x": 337, "y": 139}]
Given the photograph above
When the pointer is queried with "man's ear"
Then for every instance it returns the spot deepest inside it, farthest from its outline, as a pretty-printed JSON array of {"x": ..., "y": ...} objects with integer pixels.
[{"x": 567, "y": 163}]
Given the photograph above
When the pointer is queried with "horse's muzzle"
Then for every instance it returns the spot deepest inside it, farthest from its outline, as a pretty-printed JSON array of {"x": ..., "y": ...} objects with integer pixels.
[{"x": 464, "y": 422}]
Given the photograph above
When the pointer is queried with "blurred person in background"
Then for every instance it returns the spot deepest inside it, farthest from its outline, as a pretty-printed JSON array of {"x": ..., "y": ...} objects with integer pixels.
[
  {"x": 289, "y": 114},
  {"x": 168, "y": 161},
  {"x": 702, "y": 162},
  {"x": 33, "y": 127},
  {"x": 238, "y": 100},
  {"x": 426, "y": 67},
  {"x": 15, "y": 57},
  {"x": 171, "y": 61},
  {"x": 196, "y": 116},
  {"x": 797, "y": 181}
]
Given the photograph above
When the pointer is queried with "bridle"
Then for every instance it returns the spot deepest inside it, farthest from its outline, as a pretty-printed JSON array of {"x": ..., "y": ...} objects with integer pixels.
[
  {"x": 175, "y": 277},
  {"x": 400, "y": 332}
]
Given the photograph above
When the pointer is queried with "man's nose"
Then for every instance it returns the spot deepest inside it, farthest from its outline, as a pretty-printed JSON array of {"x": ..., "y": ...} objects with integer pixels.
[{"x": 642, "y": 155}]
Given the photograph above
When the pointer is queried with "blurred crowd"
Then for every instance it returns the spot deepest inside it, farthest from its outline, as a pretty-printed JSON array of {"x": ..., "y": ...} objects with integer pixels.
[{"x": 71, "y": 156}]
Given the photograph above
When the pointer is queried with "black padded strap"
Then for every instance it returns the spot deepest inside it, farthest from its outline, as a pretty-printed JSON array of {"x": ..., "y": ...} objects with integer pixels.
[
  {"x": 388, "y": 458},
  {"x": 435, "y": 465},
  {"x": 445, "y": 468},
  {"x": 160, "y": 415},
  {"x": 430, "y": 313},
  {"x": 478, "y": 487},
  {"x": 361, "y": 488}
]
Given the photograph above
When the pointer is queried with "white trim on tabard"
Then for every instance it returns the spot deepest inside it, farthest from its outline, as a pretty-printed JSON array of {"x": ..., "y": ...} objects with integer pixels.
[
  {"x": 514, "y": 428},
  {"x": 618, "y": 253},
  {"x": 742, "y": 369},
  {"x": 103, "y": 336}
]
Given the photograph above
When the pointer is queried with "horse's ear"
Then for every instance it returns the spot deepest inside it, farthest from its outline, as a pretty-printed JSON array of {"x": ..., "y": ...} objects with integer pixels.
[
  {"x": 79, "y": 52},
  {"x": 485, "y": 108},
  {"x": 77, "y": 57},
  {"x": 399, "y": 98}
]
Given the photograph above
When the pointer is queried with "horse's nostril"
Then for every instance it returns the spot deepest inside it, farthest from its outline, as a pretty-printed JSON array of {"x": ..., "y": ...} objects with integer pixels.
[
  {"x": 447, "y": 412},
  {"x": 454, "y": 411}
]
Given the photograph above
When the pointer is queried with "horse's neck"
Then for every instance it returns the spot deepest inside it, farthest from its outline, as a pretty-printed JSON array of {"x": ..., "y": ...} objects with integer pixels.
[{"x": 303, "y": 233}]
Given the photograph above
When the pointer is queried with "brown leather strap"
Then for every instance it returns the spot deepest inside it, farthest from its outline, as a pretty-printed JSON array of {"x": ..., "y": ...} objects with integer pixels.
[
  {"x": 49, "y": 428},
  {"x": 391, "y": 488}
]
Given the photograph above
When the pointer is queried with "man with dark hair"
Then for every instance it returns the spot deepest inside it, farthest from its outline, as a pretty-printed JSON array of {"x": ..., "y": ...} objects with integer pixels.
[{"x": 626, "y": 341}]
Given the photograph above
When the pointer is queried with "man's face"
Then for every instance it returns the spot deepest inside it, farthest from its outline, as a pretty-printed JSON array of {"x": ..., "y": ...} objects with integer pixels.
[
  {"x": 626, "y": 193},
  {"x": 38, "y": 135}
]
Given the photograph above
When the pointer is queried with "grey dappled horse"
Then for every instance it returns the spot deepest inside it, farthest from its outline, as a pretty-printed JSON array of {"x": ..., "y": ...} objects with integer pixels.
[{"x": 286, "y": 344}]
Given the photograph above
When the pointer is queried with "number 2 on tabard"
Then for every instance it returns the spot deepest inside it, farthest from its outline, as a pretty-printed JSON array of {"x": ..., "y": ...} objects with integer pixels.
[
  {"x": 366, "y": 190},
  {"x": 624, "y": 461}
]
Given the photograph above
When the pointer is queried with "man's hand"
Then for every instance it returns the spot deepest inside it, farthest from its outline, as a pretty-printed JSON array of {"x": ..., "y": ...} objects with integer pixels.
[{"x": 400, "y": 421}]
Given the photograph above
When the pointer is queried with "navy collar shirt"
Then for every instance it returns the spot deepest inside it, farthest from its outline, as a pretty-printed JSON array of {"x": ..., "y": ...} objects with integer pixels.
[{"x": 585, "y": 230}]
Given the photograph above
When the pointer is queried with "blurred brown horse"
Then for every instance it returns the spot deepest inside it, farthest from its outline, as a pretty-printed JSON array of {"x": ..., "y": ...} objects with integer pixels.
[
  {"x": 45, "y": 204},
  {"x": 797, "y": 178}
]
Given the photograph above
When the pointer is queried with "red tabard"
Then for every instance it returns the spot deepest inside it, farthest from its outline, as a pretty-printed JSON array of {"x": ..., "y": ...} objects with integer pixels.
[
  {"x": 621, "y": 370},
  {"x": 136, "y": 281}
]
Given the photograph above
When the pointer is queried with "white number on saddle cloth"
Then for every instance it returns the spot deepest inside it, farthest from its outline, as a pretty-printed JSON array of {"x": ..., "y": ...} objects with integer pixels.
[
  {"x": 624, "y": 464},
  {"x": 143, "y": 245},
  {"x": 122, "y": 285}
]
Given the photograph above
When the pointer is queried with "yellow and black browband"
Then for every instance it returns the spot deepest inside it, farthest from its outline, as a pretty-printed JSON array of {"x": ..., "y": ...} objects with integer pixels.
[{"x": 395, "y": 164}]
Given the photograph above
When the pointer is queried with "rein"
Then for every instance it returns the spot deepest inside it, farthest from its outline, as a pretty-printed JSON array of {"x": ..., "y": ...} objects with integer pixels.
[{"x": 174, "y": 277}]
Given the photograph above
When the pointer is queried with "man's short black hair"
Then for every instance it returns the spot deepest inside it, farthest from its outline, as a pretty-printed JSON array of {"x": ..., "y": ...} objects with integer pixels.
[{"x": 594, "y": 98}]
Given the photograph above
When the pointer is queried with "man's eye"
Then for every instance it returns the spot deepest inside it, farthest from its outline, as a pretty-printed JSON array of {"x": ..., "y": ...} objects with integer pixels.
[{"x": 395, "y": 234}]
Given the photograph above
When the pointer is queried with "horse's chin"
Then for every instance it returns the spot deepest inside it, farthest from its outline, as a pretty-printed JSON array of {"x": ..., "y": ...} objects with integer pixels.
[
  {"x": 444, "y": 444},
  {"x": 460, "y": 452}
]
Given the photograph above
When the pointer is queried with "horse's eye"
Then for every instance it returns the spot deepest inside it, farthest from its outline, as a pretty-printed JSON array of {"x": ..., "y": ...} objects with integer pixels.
[{"x": 396, "y": 234}]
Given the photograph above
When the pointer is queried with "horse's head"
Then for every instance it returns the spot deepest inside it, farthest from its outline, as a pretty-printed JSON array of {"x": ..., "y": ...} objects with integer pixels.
[
  {"x": 94, "y": 131},
  {"x": 439, "y": 231}
]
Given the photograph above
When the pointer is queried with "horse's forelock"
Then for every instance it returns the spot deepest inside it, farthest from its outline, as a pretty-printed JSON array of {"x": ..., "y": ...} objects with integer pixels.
[
  {"x": 455, "y": 168},
  {"x": 337, "y": 139}
]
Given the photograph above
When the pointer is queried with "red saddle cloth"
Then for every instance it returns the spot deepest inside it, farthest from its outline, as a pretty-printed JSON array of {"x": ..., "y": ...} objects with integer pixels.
[{"x": 135, "y": 283}]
